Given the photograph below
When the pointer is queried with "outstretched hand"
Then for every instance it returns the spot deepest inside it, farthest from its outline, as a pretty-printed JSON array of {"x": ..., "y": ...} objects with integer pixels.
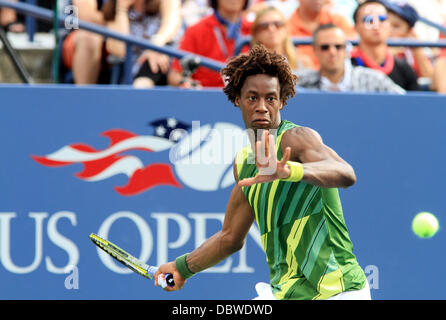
[{"x": 269, "y": 168}]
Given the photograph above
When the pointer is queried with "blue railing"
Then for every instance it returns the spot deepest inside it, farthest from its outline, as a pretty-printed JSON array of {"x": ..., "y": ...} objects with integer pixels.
[{"x": 243, "y": 41}]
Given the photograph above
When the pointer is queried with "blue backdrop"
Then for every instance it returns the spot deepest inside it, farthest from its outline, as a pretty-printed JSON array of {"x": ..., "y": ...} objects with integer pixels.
[{"x": 81, "y": 160}]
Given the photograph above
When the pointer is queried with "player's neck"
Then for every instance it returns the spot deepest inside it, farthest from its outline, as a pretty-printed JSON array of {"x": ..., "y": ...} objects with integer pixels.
[{"x": 377, "y": 53}]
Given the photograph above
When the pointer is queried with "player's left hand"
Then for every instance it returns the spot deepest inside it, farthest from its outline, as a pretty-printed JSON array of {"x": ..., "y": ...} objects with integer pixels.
[
  {"x": 269, "y": 168},
  {"x": 172, "y": 269}
]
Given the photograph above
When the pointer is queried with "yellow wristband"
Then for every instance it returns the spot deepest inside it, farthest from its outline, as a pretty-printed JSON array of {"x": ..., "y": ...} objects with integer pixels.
[{"x": 297, "y": 171}]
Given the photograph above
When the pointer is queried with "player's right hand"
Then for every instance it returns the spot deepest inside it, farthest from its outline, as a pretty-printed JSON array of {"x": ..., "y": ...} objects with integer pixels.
[
  {"x": 172, "y": 269},
  {"x": 269, "y": 168}
]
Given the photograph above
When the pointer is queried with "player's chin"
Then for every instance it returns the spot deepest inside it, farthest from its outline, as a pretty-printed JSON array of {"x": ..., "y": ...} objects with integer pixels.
[{"x": 261, "y": 124}]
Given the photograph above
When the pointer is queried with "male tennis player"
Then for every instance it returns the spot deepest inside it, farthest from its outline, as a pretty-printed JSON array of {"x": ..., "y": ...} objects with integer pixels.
[{"x": 290, "y": 189}]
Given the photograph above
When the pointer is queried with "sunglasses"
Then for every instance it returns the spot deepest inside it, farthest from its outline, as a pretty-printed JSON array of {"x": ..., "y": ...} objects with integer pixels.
[
  {"x": 265, "y": 25},
  {"x": 372, "y": 19},
  {"x": 325, "y": 47}
]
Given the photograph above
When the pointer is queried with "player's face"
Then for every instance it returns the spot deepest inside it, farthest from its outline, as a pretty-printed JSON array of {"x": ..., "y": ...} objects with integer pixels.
[
  {"x": 373, "y": 24},
  {"x": 329, "y": 48},
  {"x": 260, "y": 102}
]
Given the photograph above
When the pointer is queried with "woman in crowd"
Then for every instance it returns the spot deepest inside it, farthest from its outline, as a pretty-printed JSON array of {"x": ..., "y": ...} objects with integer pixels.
[{"x": 270, "y": 29}]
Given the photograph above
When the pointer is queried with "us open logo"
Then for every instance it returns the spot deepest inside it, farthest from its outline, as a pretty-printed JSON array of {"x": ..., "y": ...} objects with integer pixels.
[{"x": 200, "y": 158}]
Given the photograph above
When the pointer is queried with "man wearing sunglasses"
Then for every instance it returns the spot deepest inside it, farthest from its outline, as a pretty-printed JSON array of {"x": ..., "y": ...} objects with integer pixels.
[
  {"x": 373, "y": 27},
  {"x": 336, "y": 72}
]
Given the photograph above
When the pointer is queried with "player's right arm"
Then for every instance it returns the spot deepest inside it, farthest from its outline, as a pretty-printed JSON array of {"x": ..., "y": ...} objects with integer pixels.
[{"x": 238, "y": 220}]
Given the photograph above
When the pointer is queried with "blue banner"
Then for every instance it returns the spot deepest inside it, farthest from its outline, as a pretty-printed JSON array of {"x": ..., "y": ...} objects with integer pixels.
[{"x": 151, "y": 170}]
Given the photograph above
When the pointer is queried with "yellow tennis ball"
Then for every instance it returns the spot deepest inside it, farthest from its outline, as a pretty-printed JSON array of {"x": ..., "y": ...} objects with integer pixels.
[{"x": 425, "y": 225}]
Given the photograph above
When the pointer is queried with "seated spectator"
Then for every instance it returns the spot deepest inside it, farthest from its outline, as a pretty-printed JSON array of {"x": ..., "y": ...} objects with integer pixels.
[
  {"x": 373, "y": 27},
  {"x": 270, "y": 29},
  {"x": 336, "y": 72},
  {"x": 439, "y": 77},
  {"x": 214, "y": 37},
  {"x": 154, "y": 20},
  {"x": 308, "y": 16},
  {"x": 83, "y": 52},
  {"x": 402, "y": 18},
  {"x": 9, "y": 20},
  {"x": 286, "y": 7},
  {"x": 193, "y": 11}
]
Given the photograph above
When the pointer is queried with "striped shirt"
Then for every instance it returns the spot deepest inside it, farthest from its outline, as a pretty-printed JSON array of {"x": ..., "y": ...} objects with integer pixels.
[
  {"x": 303, "y": 233},
  {"x": 356, "y": 79}
]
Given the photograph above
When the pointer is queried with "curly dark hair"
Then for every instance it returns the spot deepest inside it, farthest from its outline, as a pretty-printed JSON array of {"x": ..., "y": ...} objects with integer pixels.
[{"x": 258, "y": 61}]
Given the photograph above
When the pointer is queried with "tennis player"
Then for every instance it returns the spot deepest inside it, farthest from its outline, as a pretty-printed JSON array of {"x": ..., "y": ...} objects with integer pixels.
[{"x": 290, "y": 189}]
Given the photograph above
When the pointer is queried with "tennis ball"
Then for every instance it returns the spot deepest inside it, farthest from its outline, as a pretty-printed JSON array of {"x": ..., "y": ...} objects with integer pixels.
[{"x": 425, "y": 225}]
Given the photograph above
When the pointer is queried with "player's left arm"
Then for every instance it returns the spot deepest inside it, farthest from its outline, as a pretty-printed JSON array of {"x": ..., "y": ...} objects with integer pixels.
[{"x": 322, "y": 166}]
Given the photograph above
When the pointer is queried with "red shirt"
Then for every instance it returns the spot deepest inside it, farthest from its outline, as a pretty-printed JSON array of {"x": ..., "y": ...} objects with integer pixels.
[
  {"x": 201, "y": 39},
  {"x": 299, "y": 29},
  {"x": 443, "y": 51}
]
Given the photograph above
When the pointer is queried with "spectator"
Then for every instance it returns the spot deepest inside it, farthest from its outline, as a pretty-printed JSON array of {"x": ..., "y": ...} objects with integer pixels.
[
  {"x": 9, "y": 20},
  {"x": 439, "y": 77},
  {"x": 307, "y": 17},
  {"x": 286, "y": 7},
  {"x": 336, "y": 72},
  {"x": 373, "y": 27},
  {"x": 193, "y": 11},
  {"x": 270, "y": 29},
  {"x": 155, "y": 20},
  {"x": 402, "y": 18},
  {"x": 214, "y": 37},
  {"x": 83, "y": 52}
]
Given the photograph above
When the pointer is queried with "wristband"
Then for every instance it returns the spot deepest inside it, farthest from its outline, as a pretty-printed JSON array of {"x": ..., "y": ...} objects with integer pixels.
[
  {"x": 296, "y": 171},
  {"x": 182, "y": 268}
]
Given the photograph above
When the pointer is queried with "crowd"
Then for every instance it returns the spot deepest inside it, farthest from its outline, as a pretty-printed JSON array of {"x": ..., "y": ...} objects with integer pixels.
[{"x": 212, "y": 28}]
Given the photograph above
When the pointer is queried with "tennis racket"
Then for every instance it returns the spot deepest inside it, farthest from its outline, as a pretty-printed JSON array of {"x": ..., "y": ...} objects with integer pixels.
[{"x": 128, "y": 260}]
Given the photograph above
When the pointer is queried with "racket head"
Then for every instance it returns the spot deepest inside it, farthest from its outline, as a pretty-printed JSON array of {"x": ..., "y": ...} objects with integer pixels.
[{"x": 123, "y": 257}]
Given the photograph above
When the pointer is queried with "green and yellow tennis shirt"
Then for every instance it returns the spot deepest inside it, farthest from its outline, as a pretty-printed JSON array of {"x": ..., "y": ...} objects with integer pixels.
[{"x": 303, "y": 233}]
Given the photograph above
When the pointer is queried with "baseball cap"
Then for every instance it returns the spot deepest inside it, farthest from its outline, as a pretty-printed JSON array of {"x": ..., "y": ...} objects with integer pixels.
[{"x": 402, "y": 9}]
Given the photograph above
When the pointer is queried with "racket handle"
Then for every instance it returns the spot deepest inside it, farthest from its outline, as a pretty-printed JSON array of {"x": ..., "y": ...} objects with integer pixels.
[
  {"x": 169, "y": 279},
  {"x": 167, "y": 276}
]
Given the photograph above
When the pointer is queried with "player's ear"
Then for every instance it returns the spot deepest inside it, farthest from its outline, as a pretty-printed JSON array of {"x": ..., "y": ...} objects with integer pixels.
[
  {"x": 237, "y": 101},
  {"x": 282, "y": 104}
]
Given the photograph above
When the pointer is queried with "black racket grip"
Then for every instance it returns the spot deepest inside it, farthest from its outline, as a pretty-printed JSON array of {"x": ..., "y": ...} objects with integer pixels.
[{"x": 169, "y": 279}]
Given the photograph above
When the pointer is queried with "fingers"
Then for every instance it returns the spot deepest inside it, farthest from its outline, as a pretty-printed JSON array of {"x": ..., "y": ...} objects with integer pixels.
[
  {"x": 246, "y": 182},
  {"x": 257, "y": 179},
  {"x": 272, "y": 147},
  {"x": 266, "y": 141},
  {"x": 262, "y": 149},
  {"x": 286, "y": 156}
]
